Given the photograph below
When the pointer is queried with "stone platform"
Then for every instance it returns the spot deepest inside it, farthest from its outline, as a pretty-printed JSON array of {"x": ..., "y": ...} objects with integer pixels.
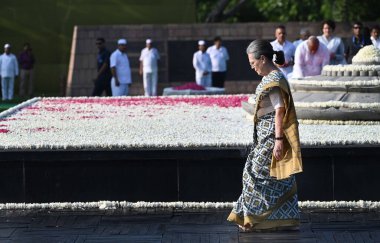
[{"x": 180, "y": 226}]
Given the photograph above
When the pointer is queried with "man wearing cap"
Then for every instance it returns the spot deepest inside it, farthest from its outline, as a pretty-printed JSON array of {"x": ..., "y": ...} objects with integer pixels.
[
  {"x": 148, "y": 68},
  {"x": 202, "y": 65},
  {"x": 121, "y": 71},
  {"x": 219, "y": 57},
  {"x": 8, "y": 72}
]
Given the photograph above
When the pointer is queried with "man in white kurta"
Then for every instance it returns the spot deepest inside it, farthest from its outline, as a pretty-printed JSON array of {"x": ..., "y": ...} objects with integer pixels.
[
  {"x": 281, "y": 44},
  {"x": 202, "y": 65},
  {"x": 121, "y": 71},
  {"x": 219, "y": 57},
  {"x": 310, "y": 57},
  {"x": 148, "y": 68},
  {"x": 8, "y": 71}
]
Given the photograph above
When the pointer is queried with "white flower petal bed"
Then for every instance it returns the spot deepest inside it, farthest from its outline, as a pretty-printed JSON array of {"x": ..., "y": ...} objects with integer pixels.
[
  {"x": 155, "y": 123},
  {"x": 111, "y": 205}
]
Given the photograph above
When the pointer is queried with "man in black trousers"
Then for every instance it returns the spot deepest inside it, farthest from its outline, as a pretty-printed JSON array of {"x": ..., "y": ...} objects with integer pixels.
[{"x": 103, "y": 79}]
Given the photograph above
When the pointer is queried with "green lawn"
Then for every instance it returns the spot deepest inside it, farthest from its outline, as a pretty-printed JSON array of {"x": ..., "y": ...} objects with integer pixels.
[{"x": 5, "y": 105}]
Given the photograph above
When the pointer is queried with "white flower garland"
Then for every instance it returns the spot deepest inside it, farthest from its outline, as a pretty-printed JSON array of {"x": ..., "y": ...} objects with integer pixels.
[
  {"x": 337, "y": 104},
  {"x": 356, "y": 83},
  {"x": 336, "y": 122},
  {"x": 111, "y": 205},
  {"x": 350, "y": 67}
]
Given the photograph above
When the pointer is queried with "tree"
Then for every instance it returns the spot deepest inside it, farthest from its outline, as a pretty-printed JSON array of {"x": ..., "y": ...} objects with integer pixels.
[
  {"x": 287, "y": 10},
  {"x": 223, "y": 10}
]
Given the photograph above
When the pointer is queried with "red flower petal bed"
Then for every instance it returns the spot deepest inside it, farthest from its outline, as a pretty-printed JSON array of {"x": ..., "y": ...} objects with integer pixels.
[
  {"x": 191, "y": 86},
  {"x": 220, "y": 101}
]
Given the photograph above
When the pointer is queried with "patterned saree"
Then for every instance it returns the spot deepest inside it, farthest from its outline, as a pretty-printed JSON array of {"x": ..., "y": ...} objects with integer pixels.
[{"x": 266, "y": 202}]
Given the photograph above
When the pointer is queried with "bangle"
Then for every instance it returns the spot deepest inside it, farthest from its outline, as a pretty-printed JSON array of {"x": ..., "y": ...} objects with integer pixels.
[{"x": 279, "y": 138}]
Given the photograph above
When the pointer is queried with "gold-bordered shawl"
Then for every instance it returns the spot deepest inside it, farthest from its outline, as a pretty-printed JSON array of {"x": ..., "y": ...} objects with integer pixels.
[{"x": 291, "y": 163}]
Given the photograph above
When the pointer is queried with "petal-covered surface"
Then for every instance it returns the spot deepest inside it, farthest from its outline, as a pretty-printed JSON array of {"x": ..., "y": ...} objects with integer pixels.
[{"x": 160, "y": 122}]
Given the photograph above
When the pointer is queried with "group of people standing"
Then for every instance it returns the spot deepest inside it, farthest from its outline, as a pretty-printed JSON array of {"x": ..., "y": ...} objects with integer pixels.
[
  {"x": 308, "y": 55},
  {"x": 211, "y": 64},
  {"x": 114, "y": 71},
  {"x": 9, "y": 71}
]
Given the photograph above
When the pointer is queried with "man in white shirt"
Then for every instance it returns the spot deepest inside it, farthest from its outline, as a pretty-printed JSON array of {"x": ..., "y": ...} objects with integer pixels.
[
  {"x": 121, "y": 71},
  {"x": 219, "y": 57},
  {"x": 375, "y": 36},
  {"x": 202, "y": 65},
  {"x": 311, "y": 56},
  {"x": 148, "y": 68},
  {"x": 8, "y": 72},
  {"x": 281, "y": 44}
]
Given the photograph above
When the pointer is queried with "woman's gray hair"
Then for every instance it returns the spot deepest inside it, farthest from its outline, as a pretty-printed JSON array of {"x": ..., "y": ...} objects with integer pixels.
[{"x": 263, "y": 48}]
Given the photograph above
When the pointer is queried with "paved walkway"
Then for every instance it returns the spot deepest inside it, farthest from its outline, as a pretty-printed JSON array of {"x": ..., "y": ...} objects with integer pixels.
[{"x": 179, "y": 226}]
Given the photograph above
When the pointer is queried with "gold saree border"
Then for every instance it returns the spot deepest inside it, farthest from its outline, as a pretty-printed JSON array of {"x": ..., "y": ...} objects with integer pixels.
[{"x": 256, "y": 220}]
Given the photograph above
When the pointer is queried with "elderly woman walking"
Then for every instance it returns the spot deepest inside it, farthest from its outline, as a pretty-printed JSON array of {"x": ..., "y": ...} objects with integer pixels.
[{"x": 269, "y": 197}]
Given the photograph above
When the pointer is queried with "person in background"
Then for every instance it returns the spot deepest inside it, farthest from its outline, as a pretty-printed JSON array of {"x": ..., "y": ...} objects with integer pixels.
[
  {"x": 104, "y": 75},
  {"x": 333, "y": 43},
  {"x": 202, "y": 65},
  {"x": 356, "y": 42},
  {"x": 148, "y": 68},
  {"x": 26, "y": 60},
  {"x": 311, "y": 56},
  {"x": 304, "y": 35},
  {"x": 8, "y": 71},
  {"x": 281, "y": 44},
  {"x": 219, "y": 57},
  {"x": 121, "y": 70},
  {"x": 375, "y": 36}
]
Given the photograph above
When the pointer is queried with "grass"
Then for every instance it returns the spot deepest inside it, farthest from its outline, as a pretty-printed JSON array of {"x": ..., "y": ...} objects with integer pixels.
[{"x": 5, "y": 105}]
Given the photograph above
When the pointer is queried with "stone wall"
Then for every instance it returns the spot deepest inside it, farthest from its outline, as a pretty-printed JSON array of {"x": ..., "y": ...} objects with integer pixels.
[{"x": 82, "y": 68}]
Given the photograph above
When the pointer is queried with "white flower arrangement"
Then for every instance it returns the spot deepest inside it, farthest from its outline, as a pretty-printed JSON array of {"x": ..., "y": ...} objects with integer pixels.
[
  {"x": 112, "y": 205},
  {"x": 367, "y": 54},
  {"x": 156, "y": 123}
]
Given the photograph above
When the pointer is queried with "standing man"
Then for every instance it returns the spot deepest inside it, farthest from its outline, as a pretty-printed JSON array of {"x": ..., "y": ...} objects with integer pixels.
[
  {"x": 281, "y": 44},
  {"x": 356, "y": 42},
  {"x": 148, "y": 68},
  {"x": 311, "y": 56},
  {"x": 8, "y": 72},
  {"x": 304, "y": 35},
  {"x": 103, "y": 78},
  {"x": 121, "y": 71},
  {"x": 219, "y": 57},
  {"x": 375, "y": 36},
  {"x": 202, "y": 65},
  {"x": 26, "y": 60}
]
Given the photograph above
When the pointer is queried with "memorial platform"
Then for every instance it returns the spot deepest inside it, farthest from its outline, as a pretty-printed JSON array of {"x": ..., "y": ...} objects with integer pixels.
[{"x": 180, "y": 148}]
